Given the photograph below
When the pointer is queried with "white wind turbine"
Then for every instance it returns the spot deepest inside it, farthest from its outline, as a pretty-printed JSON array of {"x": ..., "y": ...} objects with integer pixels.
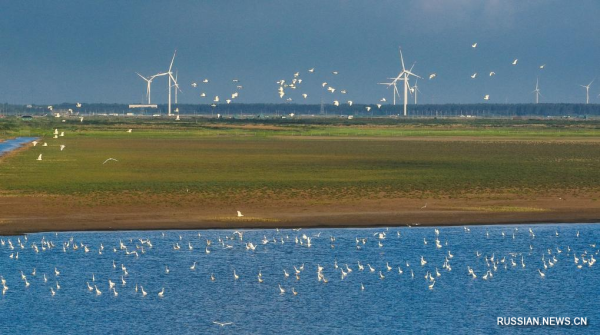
[
  {"x": 415, "y": 89},
  {"x": 396, "y": 93},
  {"x": 171, "y": 80},
  {"x": 537, "y": 91},
  {"x": 176, "y": 85},
  {"x": 149, "y": 82},
  {"x": 587, "y": 91},
  {"x": 404, "y": 75}
]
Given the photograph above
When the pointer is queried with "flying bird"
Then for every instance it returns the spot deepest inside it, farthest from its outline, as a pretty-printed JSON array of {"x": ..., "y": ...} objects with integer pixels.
[
  {"x": 311, "y": 70},
  {"x": 222, "y": 324},
  {"x": 486, "y": 97},
  {"x": 433, "y": 75},
  {"x": 110, "y": 159},
  {"x": 194, "y": 84},
  {"x": 129, "y": 130},
  {"x": 474, "y": 75},
  {"x": 334, "y": 72},
  {"x": 78, "y": 105},
  {"x": 515, "y": 61},
  {"x": 304, "y": 95},
  {"x": 492, "y": 73},
  {"x": 474, "y": 45},
  {"x": 542, "y": 66}
]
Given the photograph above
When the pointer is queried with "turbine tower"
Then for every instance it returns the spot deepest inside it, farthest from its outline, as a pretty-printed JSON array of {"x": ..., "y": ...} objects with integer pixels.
[
  {"x": 404, "y": 75},
  {"x": 171, "y": 79},
  {"x": 587, "y": 91},
  {"x": 537, "y": 91}
]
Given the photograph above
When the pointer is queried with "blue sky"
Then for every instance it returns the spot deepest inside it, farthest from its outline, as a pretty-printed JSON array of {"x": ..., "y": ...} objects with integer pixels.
[{"x": 89, "y": 51}]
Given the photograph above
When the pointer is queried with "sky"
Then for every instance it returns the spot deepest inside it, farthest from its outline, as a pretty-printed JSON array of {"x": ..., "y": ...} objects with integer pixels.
[{"x": 89, "y": 51}]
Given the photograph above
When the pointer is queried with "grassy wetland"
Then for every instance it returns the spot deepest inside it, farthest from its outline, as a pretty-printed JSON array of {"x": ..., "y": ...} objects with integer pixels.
[{"x": 199, "y": 172}]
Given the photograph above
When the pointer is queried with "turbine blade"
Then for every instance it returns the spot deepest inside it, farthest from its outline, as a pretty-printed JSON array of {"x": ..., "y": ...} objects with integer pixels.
[
  {"x": 402, "y": 59},
  {"x": 172, "y": 60}
]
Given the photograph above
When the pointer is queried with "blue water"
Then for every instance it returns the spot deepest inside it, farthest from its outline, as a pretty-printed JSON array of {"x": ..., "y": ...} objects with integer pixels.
[
  {"x": 398, "y": 303},
  {"x": 15, "y": 143}
]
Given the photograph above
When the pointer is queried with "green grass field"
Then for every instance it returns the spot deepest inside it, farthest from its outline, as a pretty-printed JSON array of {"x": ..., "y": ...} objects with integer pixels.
[{"x": 223, "y": 161}]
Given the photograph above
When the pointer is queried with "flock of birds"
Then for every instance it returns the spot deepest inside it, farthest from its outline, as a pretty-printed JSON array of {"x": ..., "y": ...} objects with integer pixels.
[
  {"x": 478, "y": 266},
  {"x": 285, "y": 87},
  {"x": 62, "y": 147}
]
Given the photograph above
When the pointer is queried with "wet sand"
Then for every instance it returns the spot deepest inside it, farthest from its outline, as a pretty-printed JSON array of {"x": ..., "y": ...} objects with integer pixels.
[{"x": 29, "y": 214}]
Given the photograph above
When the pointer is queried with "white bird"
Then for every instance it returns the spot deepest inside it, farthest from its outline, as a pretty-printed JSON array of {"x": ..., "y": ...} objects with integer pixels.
[
  {"x": 34, "y": 143},
  {"x": 515, "y": 61},
  {"x": 143, "y": 292},
  {"x": 311, "y": 70},
  {"x": 486, "y": 97},
  {"x": 433, "y": 75},
  {"x": 474, "y": 45},
  {"x": 542, "y": 66},
  {"x": 161, "y": 294},
  {"x": 39, "y": 157},
  {"x": 129, "y": 130},
  {"x": 304, "y": 95},
  {"x": 281, "y": 290},
  {"x": 492, "y": 73},
  {"x": 110, "y": 159},
  {"x": 62, "y": 146},
  {"x": 239, "y": 214},
  {"x": 474, "y": 75},
  {"x": 222, "y": 324},
  {"x": 235, "y": 276},
  {"x": 541, "y": 273}
]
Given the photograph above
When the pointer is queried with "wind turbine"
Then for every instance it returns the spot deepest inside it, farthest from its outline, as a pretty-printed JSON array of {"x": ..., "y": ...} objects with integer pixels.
[
  {"x": 176, "y": 85},
  {"x": 149, "y": 82},
  {"x": 171, "y": 79},
  {"x": 404, "y": 75},
  {"x": 587, "y": 91},
  {"x": 415, "y": 89},
  {"x": 395, "y": 89},
  {"x": 537, "y": 91}
]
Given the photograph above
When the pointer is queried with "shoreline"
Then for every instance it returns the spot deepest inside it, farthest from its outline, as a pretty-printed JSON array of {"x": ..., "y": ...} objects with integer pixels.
[{"x": 135, "y": 219}]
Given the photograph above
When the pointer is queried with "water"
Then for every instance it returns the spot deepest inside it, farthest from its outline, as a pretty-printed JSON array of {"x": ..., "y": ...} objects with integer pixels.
[
  {"x": 12, "y": 144},
  {"x": 398, "y": 303}
]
